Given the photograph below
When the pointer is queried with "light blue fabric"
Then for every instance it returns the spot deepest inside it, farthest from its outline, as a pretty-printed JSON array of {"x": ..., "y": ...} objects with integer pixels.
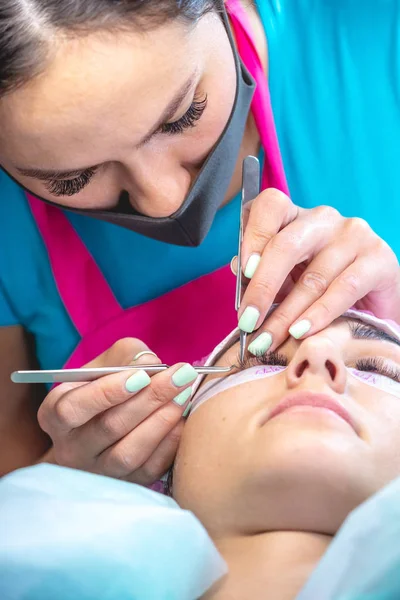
[
  {"x": 363, "y": 561},
  {"x": 68, "y": 535},
  {"x": 334, "y": 78},
  {"x": 334, "y": 73}
]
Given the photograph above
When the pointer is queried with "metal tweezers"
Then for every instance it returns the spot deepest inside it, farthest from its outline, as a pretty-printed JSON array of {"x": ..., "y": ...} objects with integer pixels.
[
  {"x": 90, "y": 374},
  {"x": 250, "y": 190}
]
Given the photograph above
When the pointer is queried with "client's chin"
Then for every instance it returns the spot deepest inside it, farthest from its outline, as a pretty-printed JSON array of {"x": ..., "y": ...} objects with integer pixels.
[{"x": 306, "y": 478}]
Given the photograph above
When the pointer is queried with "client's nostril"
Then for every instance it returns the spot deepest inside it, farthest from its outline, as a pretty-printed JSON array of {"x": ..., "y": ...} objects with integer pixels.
[
  {"x": 331, "y": 369},
  {"x": 301, "y": 368}
]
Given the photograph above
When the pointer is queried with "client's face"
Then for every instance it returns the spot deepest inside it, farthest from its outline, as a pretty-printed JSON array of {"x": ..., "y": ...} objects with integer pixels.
[{"x": 259, "y": 456}]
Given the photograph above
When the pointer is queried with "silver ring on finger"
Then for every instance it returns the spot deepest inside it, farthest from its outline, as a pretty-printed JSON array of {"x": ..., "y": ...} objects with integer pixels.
[{"x": 139, "y": 354}]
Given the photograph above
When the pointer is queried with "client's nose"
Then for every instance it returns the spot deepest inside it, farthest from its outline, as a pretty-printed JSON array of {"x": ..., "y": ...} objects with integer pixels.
[{"x": 318, "y": 357}]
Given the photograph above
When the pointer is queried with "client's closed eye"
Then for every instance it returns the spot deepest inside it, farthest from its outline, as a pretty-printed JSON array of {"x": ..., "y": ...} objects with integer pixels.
[
  {"x": 271, "y": 359},
  {"x": 380, "y": 366}
]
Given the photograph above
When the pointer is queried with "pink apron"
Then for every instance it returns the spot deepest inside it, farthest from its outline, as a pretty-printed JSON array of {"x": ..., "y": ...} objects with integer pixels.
[{"x": 181, "y": 325}]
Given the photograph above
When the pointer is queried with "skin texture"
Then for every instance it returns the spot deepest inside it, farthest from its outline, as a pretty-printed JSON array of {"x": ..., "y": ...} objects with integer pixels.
[
  {"x": 317, "y": 264},
  {"x": 103, "y": 427},
  {"x": 22, "y": 441},
  {"x": 272, "y": 493}
]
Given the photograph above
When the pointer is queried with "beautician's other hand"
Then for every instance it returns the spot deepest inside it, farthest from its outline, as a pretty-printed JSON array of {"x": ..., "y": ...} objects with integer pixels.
[
  {"x": 316, "y": 263},
  {"x": 124, "y": 425}
]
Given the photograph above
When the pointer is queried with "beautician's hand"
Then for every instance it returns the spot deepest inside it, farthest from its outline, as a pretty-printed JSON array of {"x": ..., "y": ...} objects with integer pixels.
[
  {"x": 317, "y": 264},
  {"x": 123, "y": 425}
]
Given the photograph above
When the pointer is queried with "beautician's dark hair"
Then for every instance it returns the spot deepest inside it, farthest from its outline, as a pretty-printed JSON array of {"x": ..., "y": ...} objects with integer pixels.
[{"x": 29, "y": 28}]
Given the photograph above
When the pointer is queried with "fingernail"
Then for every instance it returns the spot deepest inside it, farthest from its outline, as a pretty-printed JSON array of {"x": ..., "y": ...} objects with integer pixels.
[
  {"x": 183, "y": 397},
  {"x": 233, "y": 261},
  {"x": 187, "y": 410},
  {"x": 299, "y": 329},
  {"x": 248, "y": 320},
  {"x": 137, "y": 381},
  {"x": 260, "y": 345},
  {"x": 252, "y": 265},
  {"x": 184, "y": 375}
]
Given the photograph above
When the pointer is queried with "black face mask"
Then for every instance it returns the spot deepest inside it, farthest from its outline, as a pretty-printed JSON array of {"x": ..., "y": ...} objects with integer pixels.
[{"x": 189, "y": 225}]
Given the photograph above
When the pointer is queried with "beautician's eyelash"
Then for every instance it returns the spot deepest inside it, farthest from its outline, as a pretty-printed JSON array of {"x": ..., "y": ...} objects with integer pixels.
[
  {"x": 272, "y": 359},
  {"x": 69, "y": 187},
  {"x": 188, "y": 120},
  {"x": 378, "y": 365}
]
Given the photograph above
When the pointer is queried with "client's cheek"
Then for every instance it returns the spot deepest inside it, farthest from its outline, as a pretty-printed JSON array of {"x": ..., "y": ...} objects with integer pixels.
[
  {"x": 383, "y": 422},
  {"x": 204, "y": 462}
]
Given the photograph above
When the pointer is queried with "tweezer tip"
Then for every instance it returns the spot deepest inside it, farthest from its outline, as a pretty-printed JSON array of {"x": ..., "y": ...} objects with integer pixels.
[{"x": 243, "y": 337}]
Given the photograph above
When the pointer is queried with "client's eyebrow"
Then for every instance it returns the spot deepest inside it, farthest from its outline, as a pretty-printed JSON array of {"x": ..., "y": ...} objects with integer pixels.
[{"x": 361, "y": 331}]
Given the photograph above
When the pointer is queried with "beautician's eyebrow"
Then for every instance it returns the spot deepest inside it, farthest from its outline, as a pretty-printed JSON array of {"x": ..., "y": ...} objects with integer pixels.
[
  {"x": 171, "y": 108},
  {"x": 361, "y": 331},
  {"x": 168, "y": 113}
]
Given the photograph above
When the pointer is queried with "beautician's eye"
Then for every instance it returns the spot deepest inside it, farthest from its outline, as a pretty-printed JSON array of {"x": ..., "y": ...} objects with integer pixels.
[
  {"x": 188, "y": 120},
  {"x": 69, "y": 187},
  {"x": 272, "y": 359},
  {"x": 377, "y": 365}
]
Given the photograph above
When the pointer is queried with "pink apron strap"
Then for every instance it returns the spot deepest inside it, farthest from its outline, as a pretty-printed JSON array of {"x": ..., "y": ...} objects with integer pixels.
[
  {"x": 93, "y": 302},
  {"x": 274, "y": 174}
]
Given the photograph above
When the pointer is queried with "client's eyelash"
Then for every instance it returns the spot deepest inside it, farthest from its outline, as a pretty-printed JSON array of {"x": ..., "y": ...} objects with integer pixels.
[
  {"x": 70, "y": 187},
  {"x": 188, "y": 120},
  {"x": 378, "y": 365},
  {"x": 374, "y": 365},
  {"x": 272, "y": 359}
]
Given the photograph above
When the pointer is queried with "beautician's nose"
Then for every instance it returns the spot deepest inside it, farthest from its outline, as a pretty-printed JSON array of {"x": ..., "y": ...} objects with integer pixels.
[
  {"x": 317, "y": 358},
  {"x": 158, "y": 191}
]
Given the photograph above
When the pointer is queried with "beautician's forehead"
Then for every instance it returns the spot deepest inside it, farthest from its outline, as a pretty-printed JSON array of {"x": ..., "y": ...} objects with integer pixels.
[{"x": 91, "y": 81}]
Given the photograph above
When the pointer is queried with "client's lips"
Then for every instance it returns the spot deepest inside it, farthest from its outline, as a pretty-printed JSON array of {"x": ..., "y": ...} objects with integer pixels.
[{"x": 314, "y": 400}]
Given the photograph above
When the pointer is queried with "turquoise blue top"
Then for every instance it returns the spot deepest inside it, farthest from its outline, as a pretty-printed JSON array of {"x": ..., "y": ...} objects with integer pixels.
[{"x": 334, "y": 70}]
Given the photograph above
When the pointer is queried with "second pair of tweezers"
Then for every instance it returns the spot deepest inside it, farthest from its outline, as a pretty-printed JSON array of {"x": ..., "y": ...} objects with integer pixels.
[{"x": 250, "y": 190}]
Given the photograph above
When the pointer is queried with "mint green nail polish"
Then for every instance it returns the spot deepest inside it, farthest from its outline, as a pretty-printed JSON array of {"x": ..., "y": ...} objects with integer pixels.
[
  {"x": 299, "y": 329},
  {"x": 187, "y": 410},
  {"x": 183, "y": 397},
  {"x": 248, "y": 320},
  {"x": 137, "y": 381},
  {"x": 184, "y": 375},
  {"x": 260, "y": 345},
  {"x": 234, "y": 259},
  {"x": 252, "y": 265}
]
